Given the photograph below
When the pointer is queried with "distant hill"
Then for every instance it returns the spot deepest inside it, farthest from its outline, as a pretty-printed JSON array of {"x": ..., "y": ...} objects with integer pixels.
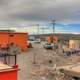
[{"x": 60, "y": 36}]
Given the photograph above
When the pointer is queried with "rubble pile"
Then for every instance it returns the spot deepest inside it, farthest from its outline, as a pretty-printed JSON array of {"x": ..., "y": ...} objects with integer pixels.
[
  {"x": 46, "y": 69},
  {"x": 48, "y": 73}
]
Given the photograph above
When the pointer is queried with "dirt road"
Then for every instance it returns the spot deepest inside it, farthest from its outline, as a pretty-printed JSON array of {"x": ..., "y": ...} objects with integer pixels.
[{"x": 39, "y": 56}]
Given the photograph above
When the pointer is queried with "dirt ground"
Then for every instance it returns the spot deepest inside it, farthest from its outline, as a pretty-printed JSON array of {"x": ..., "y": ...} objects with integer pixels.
[{"x": 37, "y": 57}]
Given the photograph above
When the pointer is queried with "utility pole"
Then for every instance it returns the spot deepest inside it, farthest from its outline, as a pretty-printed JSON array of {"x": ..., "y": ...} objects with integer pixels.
[
  {"x": 43, "y": 30},
  {"x": 53, "y": 30},
  {"x": 38, "y": 30},
  {"x": 53, "y": 24}
]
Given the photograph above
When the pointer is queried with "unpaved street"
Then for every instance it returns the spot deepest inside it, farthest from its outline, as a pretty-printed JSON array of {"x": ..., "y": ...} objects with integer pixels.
[{"x": 40, "y": 56}]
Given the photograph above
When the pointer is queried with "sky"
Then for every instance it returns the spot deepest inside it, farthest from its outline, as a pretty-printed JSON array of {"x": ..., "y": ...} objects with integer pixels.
[{"x": 29, "y": 12}]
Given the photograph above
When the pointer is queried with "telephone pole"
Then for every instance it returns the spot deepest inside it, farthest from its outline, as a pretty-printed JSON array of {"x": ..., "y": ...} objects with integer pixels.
[
  {"x": 38, "y": 30},
  {"x": 53, "y": 26}
]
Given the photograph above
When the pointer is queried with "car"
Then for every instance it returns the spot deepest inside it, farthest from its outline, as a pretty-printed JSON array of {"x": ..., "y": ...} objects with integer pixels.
[
  {"x": 32, "y": 41},
  {"x": 37, "y": 41},
  {"x": 48, "y": 46}
]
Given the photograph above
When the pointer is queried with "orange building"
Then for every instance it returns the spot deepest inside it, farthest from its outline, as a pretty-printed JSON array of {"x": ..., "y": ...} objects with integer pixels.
[
  {"x": 52, "y": 39},
  {"x": 20, "y": 39}
]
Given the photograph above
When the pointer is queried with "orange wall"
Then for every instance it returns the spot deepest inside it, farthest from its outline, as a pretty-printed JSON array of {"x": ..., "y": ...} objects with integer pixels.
[
  {"x": 3, "y": 38},
  {"x": 54, "y": 38},
  {"x": 19, "y": 39},
  {"x": 48, "y": 39}
]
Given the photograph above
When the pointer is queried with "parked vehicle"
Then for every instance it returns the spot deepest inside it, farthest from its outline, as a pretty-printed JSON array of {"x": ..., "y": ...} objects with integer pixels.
[
  {"x": 48, "y": 46},
  {"x": 37, "y": 41}
]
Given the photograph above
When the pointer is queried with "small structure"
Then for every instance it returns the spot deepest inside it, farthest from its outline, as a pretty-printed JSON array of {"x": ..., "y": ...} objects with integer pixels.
[
  {"x": 7, "y": 72},
  {"x": 74, "y": 44}
]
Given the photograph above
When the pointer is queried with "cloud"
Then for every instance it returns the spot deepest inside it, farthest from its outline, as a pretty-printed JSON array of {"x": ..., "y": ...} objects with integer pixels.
[{"x": 29, "y": 11}]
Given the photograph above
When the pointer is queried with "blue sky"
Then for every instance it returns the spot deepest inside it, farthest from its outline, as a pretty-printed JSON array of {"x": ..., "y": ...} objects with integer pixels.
[
  {"x": 67, "y": 28},
  {"x": 73, "y": 28}
]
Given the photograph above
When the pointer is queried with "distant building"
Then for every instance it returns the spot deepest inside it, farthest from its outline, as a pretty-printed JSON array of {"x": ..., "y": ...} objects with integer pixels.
[{"x": 74, "y": 44}]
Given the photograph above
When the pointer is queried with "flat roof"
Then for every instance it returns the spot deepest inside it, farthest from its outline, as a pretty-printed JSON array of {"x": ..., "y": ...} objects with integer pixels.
[
  {"x": 15, "y": 32},
  {"x": 4, "y": 66}
]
